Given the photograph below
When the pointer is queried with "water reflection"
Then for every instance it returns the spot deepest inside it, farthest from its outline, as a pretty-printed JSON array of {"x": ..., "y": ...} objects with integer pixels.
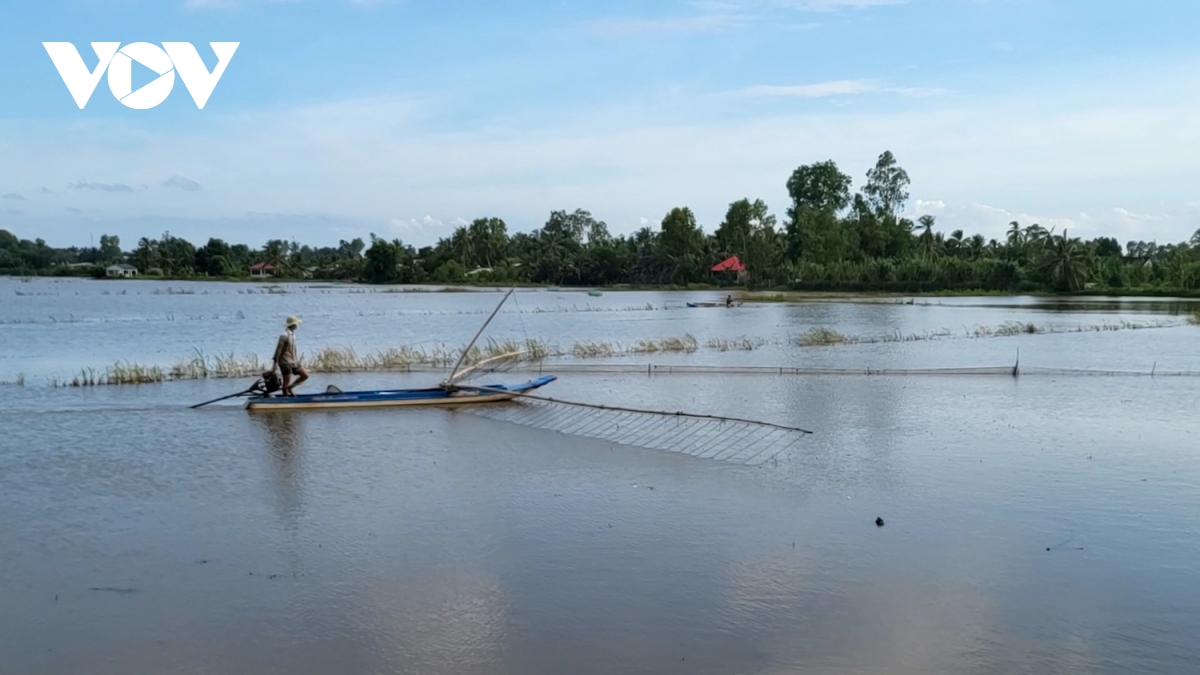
[
  {"x": 1170, "y": 306},
  {"x": 283, "y": 432}
]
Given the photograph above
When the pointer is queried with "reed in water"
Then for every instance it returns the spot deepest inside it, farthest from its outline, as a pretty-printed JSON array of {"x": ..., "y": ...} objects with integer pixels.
[{"x": 407, "y": 358}]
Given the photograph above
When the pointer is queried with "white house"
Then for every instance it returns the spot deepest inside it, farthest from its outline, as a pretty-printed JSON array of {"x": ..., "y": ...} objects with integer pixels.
[{"x": 121, "y": 270}]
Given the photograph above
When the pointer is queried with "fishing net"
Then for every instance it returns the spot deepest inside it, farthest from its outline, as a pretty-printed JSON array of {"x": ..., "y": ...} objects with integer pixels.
[
  {"x": 538, "y": 366},
  {"x": 709, "y": 437}
]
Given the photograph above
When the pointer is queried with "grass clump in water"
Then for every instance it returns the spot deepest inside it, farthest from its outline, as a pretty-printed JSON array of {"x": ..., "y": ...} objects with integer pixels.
[
  {"x": 686, "y": 344},
  {"x": 127, "y": 372},
  {"x": 821, "y": 336},
  {"x": 1008, "y": 329},
  {"x": 1194, "y": 319},
  {"x": 740, "y": 344},
  {"x": 122, "y": 372},
  {"x": 587, "y": 349}
]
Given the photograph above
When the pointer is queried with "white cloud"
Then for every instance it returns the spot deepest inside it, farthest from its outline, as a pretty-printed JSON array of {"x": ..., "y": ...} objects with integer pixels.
[
  {"x": 934, "y": 207},
  {"x": 701, "y": 23},
  {"x": 836, "y": 88},
  {"x": 102, "y": 187},
  {"x": 818, "y": 90},
  {"x": 834, "y": 5},
  {"x": 715, "y": 15},
  {"x": 182, "y": 183},
  {"x": 209, "y": 4},
  {"x": 426, "y": 223},
  {"x": 917, "y": 92}
]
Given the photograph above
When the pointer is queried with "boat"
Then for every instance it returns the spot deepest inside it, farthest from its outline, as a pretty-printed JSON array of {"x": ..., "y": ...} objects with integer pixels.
[
  {"x": 433, "y": 396},
  {"x": 595, "y": 293},
  {"x": 451, "y": 391},
  {"x": 714, "y": 304}
]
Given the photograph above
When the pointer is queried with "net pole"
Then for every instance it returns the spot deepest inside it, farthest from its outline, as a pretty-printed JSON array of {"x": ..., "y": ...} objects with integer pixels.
[{"x": 470, "y": 344}]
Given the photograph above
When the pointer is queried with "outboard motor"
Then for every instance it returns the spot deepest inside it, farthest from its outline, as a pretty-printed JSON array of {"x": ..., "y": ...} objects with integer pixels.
[{"x": 269, "y": 384}]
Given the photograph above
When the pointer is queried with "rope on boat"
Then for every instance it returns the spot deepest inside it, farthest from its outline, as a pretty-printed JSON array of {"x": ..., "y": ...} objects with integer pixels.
[{"x": 714, "y": 437}]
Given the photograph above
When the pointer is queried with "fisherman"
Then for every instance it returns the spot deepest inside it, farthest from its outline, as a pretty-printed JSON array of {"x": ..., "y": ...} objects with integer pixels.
[{"x": 286, "y": 361}]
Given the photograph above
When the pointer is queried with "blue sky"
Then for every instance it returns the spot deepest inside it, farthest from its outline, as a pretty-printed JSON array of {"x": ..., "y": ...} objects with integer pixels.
[{"x": 338, "y": 118}]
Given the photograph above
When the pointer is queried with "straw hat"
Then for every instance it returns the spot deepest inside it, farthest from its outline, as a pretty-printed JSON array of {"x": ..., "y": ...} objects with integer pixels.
[{"x": 293, "y": 321}]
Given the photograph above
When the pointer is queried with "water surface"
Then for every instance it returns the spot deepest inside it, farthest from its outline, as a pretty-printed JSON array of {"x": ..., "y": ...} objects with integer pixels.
[{"x": 139, "y": 536}]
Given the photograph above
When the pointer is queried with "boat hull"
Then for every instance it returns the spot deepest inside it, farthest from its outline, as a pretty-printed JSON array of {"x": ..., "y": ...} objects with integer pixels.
[{"x": 464, "y": 395}]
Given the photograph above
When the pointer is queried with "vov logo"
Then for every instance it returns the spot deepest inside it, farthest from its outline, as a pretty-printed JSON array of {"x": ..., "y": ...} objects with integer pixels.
[{"x": 171, "y": 58}]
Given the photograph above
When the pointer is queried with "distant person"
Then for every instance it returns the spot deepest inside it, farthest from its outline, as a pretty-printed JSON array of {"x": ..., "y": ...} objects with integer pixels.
[
  {"x": 286, "y": 360},
  {"x": 729, "y": 301}
]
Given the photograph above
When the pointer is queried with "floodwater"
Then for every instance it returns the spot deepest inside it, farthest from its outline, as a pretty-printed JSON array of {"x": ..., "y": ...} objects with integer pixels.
[{"x": 1043, "y": 523}]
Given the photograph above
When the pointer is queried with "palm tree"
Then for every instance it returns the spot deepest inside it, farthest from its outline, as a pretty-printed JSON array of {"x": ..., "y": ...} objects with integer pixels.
[
  {"x": 926, "y": 239},
  {"x": 976, "y": 245},
  {"x": 1016, "y": 238},
  {"x": 954, "y": 245},
  {"x": 1064, "y": 263}
]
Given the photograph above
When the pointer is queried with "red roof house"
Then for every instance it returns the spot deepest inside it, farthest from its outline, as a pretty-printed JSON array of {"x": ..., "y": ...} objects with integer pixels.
[{"x": 730, "y": 264}]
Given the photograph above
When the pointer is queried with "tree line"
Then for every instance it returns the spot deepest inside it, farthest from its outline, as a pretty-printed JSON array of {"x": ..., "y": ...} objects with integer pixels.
[{"x": 832, "y": 238}]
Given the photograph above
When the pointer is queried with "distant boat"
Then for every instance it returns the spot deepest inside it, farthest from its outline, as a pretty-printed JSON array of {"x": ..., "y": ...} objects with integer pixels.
[
  {"x": 737, "y": 303},
  {"x": 595, "y": 293}
]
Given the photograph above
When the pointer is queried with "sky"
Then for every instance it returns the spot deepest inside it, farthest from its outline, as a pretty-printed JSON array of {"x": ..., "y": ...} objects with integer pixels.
[{"x": 405, "y": 118}]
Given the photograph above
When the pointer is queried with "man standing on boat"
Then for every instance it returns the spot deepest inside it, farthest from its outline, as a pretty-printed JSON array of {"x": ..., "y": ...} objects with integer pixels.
[{"x": 286, "y": 360}]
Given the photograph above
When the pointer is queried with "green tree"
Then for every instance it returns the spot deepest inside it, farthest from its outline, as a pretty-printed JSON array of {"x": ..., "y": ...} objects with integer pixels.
[
  {"x": 215, "y": 259},
  {"x": 820, "y": 187},
  {"x": 887, "y": 186},
  {"x": 387, "y": 262},
  {"x": 748, "y": 231},
  {"x": 110, "y": 248},
  {"x": 814, "y": 230},
  {"x": 682, "y": 241},
  {"x": 1063, "y": 263}
]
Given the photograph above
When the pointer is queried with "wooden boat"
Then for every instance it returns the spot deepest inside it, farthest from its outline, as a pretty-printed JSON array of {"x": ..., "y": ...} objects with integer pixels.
[
  {"x": 434, "y": 396},
  {"x": 714, "y": 304},
  {"x": 449, "y": 392}
]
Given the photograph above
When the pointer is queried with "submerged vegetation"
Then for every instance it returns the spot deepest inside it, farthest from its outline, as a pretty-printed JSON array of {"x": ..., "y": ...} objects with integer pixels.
[
  {"x": 18, "y": 382},
  {"x": 415, "y": 358},
  {"x": 828, "y": 240}
]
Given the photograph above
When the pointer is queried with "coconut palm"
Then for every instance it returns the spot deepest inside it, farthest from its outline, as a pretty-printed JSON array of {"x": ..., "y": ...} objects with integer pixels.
[
  {"x": 926, "y": 238},
  {"x": 1016, "y": 237},
  {"x": 1064, "y": 262}
]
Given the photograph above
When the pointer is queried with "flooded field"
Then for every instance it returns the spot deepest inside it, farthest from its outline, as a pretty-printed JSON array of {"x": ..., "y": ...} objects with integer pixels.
[{"x": 1040, "y": 523}]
